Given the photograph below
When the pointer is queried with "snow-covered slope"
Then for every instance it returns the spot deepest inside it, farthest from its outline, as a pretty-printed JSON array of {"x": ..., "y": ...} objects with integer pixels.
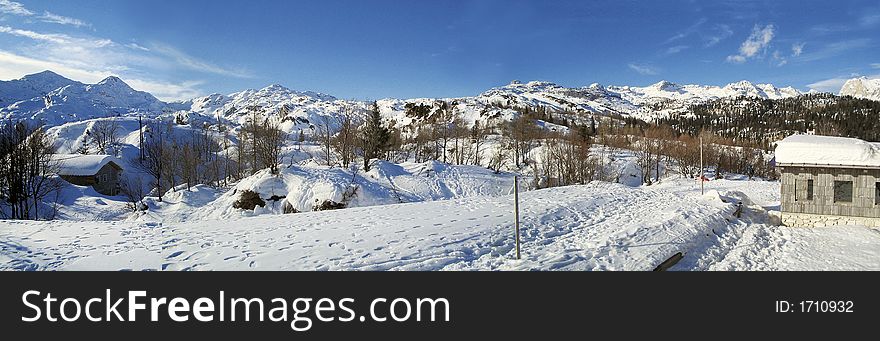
[
  {"x": 600, "y": 226},
  {"x": 862, "y": 87},
  {"x": 663, "y": 98},
  {"x": 298, "y": 110},
  {"x": 31, "y": 86},
  {"x": 302, "y": 187},
  {"x": 76, "y": 102}
]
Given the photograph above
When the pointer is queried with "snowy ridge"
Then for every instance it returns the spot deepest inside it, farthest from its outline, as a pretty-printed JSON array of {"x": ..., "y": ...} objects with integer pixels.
[
  {"x": 31, "y": 86},
  {"x": 54, "y": 100},
  {"x": 76, "y": 102},
  {"x": 862, "y": 87}
]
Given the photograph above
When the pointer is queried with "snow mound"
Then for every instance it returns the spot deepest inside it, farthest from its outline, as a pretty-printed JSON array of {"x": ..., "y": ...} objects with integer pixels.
[
  {"x": 812, "y": 150},
  {"x": 304, "y": 187}
]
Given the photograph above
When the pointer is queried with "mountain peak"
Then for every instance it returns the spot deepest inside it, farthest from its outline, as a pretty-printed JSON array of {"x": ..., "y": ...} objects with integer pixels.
[
  {"x": 111, "y": 80},
  {"x": 862, "y": 87},
  {"x": 665, "y": 86},
  {"x": 275, "y": 87},
  {"x": 43, "y": 74},
  {"x": 741, "y": 84}
]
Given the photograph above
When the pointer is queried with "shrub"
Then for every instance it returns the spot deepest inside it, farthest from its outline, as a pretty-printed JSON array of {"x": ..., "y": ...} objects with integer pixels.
[
  {"x": 248, "y": 200},
  {"x": 327, "y": 205}
]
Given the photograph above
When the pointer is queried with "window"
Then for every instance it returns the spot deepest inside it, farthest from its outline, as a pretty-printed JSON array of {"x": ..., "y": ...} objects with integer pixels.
[
  {"x": 810, "y": 189},
  {"x": 877, "y": 193},
  {"x": 843, "y": 191}
]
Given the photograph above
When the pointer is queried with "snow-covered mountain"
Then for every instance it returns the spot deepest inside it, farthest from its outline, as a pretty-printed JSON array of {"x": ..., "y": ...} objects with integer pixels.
[
  {"x": 31, "y": 86},
  {"x": 74, "y": 101},
  {"x": 54, "y": 100},
  {"x": 862, "y": 87},
  {"x": 663, "y": 98}
]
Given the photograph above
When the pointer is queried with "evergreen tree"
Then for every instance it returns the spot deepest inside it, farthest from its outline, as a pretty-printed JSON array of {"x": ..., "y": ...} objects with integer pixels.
[{"x": 375, "y": 137}]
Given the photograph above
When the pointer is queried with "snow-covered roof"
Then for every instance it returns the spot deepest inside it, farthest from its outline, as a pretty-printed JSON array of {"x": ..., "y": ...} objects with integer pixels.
[
  {"x": 82, "y": 165},
  {"x": 814, "y": 150}
]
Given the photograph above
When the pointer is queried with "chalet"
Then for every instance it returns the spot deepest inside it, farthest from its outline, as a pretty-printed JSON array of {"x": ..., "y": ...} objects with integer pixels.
[
  {"x": 101, "y": 172},
  {"x": 829, "y": 181}
]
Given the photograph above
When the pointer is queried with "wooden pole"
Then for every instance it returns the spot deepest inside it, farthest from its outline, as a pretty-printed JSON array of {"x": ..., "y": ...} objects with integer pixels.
[
  {"x": 702, "y": 189},
  {"x": 516, "y": 211}
]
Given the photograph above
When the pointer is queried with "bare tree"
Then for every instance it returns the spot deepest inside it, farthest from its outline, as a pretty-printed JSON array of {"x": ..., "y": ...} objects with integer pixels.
[
  {"x": 104, "y": 135},
  {"x": 156, "y": 153},
  {"x": 270, "y": 140},
  {"x": 133, "y": 189},
  {"x": 27, "y": 171},
  {"x": 323, "y": 136},
  {"x": 345, "y": 140},
  {"x": 478, "y": 138}
]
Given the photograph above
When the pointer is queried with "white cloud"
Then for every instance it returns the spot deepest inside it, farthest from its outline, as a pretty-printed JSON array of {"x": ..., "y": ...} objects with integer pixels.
[
  {"x": 13, "y": 66},
  {"x": 875, "y": 65},
  {"x": 756, "y": 43},
  {"x": 195, "y": 64},
  {"x": 167, "y": 91},
  {"x": 797, "y": 49},
  {"x": 721, "y": 32},
  {"x": 12, "y": 7},
  {"x": 643, "y": 69},
  {"x": 60, "y": 19},
  {"x": 84, "y": 51},
  {"x": 54, "y": 38},
  {"x": 675, "y": 49},
  {"x": 137, "y": 47},
  {"x": 832, "y": 85},
  {"x": 16, "y": 8},
  {"x": 736, "y": 59},
  {"x": 687, "y": 32},
  {"x": 779, "y": 58},
  {"x": 834, "y": 49}
]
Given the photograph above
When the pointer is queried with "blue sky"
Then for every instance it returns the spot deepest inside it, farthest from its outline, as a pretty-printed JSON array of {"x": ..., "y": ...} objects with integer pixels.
[{"x": 376, "y": 49}]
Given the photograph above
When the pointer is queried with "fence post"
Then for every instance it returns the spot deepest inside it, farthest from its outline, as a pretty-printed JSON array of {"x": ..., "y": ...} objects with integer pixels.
[{"x": 516, "y": 211}]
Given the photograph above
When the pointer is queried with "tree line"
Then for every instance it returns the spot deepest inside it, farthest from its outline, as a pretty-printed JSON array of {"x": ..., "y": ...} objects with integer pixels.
[{"x": 27, "y": 171}]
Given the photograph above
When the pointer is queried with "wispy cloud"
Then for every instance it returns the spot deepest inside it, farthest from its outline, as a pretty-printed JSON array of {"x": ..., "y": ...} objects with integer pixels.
[
  {"x": 15, "y": 8},
  {"x": 111, "y": 55},
  {"x": 675, "y": 49},
  {"x": 869, "y": 20},
  {"x": 60, "y": 19},
  {"x": 717, "y": 34},
  {"x": 90, "y": 59},
  {"x": 779, "y": 58},
  {"x": 834, "y": 49},
  {"x": 195, "y": 64},
  {"x": 875, "y": 65},
  {"x": 694, "y": 28},
  {"x": 53, "y": 38},
  {"x": 831, "y": 85},
  {"x": 797, "y": 49},
  {"x": 756, "y": 43},
  {"x": 643, "y": 69},
  {"x": 137, "y": 47},
  {"x": 14, "y": 66}
]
